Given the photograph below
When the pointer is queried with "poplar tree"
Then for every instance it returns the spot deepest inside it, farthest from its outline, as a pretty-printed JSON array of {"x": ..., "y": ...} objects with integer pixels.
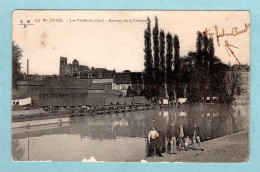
[
  {"x": 205, "y": 54},
  {"x": 177, "y": 84},
  {"x": 199, "y": 49},
  {"x": 148, "y": 58},
  {"x": 196, "y": 84},
  {"x": 162, "y": 56},
  {"x": 156, "y": 49},
  {"x": 148, "y": 61},
  {"x": 156, "y": 57},
  {"x": 169, "y": 58},
  {"x": 176, "y": 46}
]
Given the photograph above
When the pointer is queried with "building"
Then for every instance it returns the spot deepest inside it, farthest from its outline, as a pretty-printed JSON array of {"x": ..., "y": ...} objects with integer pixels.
[
  {"x": 102, "y": 94},
  {"x": 102, "y": 75},
  {"x": 125, "y": 80},
  {"x": 28, "y": 89},
  {"x": 78, "y": 85},
  {"x": 65, "y": 92},
  {"x": 239, "y": 80},
  {"x": 68, "y": 70}
]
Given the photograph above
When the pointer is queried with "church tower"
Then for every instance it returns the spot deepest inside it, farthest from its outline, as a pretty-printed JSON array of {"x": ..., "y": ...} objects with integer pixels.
[
  {"x": 63, "y": 65},
  {"x": 75, "y": 66}
]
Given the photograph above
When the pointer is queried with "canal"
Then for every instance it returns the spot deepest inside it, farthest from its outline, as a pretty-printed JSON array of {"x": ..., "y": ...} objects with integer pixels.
[{"x": 122, "y": 136}]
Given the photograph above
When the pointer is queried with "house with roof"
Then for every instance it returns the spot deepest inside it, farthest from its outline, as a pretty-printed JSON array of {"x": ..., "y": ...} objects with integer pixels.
[{"x": 102, "y": 75}]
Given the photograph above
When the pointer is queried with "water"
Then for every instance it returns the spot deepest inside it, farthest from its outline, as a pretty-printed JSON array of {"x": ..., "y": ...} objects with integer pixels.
[{"x": 122, "y": 136}]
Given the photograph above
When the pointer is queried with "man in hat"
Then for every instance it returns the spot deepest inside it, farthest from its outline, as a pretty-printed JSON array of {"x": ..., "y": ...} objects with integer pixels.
[
  {"x": 196, "y": 136},
  {"x": 171, "y": 137},
  {"x": 181, "y": 136},
  {"x": 153, "y": 140}
]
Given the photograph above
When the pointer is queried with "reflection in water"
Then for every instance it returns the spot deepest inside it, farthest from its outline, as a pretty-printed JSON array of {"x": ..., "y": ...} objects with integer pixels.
[{"x": 123, "y": 136}]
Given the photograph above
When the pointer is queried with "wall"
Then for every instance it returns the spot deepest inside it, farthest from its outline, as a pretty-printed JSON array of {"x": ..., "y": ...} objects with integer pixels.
[{"x": 109, "y": 81}]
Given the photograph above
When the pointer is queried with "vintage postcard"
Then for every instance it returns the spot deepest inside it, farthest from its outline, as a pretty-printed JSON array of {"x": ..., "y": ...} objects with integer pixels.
[{"x": 130, "y": 86}]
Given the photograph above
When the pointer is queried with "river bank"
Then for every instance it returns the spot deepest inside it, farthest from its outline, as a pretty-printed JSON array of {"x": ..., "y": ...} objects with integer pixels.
[
  {"x": 39, "y": 113},
  {"x": 230, "y": 148}
]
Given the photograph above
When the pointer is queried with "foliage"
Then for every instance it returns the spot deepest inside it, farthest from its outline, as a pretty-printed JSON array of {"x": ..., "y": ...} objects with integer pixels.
[
  {"x": 148, "y": 49},
  {"x": 178, "y": 87},
  {"x": 169, "y": 59},
  {"x": 148, "y": 62},
  {"x": 162, "y": 56},
  {"x": 156, "y": 58},
  {"x": 176, "y": 46},
  {"x": 16, "y": 64},
  {"x": 205, "y": 44},
  {"x": 199, "y": 49}
]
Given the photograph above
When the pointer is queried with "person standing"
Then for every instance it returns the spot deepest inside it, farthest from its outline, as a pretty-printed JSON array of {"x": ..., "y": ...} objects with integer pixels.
[
  {"x": 154, "y": 142},
  {"x": 181, "y": 137},
  {"x": 171, "y": 137},
  {"x": 196, "y": 136}
]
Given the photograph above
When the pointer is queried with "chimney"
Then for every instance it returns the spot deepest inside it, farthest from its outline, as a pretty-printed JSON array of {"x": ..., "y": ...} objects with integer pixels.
[{"x": 27, "y": 66}]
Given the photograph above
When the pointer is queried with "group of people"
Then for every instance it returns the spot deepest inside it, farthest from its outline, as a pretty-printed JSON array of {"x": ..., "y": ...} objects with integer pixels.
[{"x": 177, "y": 139}]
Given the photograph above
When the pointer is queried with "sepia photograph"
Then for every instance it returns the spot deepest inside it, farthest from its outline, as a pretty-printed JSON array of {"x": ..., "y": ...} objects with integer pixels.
[{"x": 130, "y": 86}]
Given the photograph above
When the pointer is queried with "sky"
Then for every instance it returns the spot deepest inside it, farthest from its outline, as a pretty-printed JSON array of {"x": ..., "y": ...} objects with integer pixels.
[{"x": 115, "y": 39}]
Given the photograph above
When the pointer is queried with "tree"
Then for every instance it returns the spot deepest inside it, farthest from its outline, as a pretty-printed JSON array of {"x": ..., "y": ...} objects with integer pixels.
[
  {"x": 148, "y": 58},
  {"x": 211, "y": 54},
  {"x": 186, "y": 69},
  {"x": 156, "y": 49},
  {"x": 176, "y": 46},
  {"x": 195, "y": 86},
  {"x": 233, "y": 81},
  {"x": 220, "y": 81},
  {"x": 205, "y": 43},
  {"x": 169, "y": 58},
  {"x": 156, "y": 58},
  {"x": 199, "y": 48},
  {"x": 16, "y": 65},
  {"x": 205, "y": 70},
  {"x": 162, "y": 56},
  {"x": 148, "y": 61},
  {"x": 177, "y": 84}
]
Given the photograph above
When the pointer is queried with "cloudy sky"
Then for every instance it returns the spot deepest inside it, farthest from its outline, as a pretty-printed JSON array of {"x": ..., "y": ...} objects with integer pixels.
[{"x": 114, "y": 39}]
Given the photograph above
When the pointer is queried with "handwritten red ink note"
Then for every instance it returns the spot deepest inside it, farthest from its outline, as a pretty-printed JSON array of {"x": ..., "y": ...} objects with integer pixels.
[
  {"x": 222, "y": 33},
  {"x": 234, "y": 32}
]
